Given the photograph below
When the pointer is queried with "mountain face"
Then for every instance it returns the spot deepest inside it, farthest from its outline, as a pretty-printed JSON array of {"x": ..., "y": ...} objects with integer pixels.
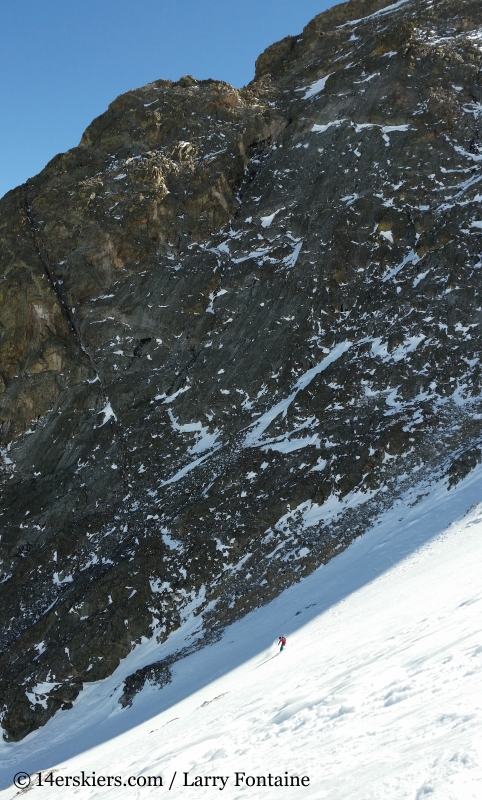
[{"x": 234, "y": 324}]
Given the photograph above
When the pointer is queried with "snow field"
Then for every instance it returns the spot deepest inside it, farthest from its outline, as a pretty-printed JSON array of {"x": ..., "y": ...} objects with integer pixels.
[{"x": 377, "y": 695}]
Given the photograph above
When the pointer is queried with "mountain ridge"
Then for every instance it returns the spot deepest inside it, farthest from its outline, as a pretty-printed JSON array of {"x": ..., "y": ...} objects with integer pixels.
[{"x": 234, "y": 324}]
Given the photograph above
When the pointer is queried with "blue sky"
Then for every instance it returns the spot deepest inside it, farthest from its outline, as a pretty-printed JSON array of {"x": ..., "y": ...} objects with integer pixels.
[{"x": 63, "y": 61}]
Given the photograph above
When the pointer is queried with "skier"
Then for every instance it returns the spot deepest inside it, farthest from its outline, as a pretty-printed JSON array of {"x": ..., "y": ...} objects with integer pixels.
[{"x": 282, "y": 643}]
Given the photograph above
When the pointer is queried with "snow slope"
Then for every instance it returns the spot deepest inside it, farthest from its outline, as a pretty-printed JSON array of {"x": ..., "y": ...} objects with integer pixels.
[{"x": 378, "y": 694}]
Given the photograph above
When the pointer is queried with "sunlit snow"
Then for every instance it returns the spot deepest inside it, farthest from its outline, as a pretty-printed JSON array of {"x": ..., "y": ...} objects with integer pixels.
[
  {"x": 316, "y": 87},
  {"x": 377, "y": 694}
]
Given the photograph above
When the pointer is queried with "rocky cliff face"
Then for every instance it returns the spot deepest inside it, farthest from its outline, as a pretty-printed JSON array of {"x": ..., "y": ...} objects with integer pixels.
[{"x": 233, "y": 324}]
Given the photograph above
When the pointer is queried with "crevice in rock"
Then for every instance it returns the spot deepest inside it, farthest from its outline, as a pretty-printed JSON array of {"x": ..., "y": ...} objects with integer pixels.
[{"x": 48, "y": 268}]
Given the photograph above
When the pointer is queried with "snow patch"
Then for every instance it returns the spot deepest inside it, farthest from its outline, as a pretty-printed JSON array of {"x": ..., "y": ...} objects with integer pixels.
[
  {"x": 315, "y": 88},
  {"x": 380, "y": 13},
  {"x": 323, "y": 128},
  {"x": 266, "y": 221},
  {"x": 258, "y": 428},
  {"x": 108, "y": 413}
]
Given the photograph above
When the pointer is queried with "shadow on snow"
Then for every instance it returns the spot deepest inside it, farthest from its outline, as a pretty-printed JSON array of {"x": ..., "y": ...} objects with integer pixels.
[{"x": 421, "y": 514}]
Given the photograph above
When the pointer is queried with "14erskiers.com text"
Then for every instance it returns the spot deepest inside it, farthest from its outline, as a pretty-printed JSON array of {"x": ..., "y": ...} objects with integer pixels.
[{"x": 213, "y": 781}]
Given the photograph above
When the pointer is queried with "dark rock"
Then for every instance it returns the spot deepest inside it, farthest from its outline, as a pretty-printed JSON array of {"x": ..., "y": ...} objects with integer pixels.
[
  {"x": 222, "y": 316},
  {"x": 465, "y": 463},
  {"x": 157, "y": 674}
]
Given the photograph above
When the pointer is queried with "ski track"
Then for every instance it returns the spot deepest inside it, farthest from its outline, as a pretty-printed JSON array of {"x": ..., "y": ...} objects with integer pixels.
[{"x": 377, "y": 695}]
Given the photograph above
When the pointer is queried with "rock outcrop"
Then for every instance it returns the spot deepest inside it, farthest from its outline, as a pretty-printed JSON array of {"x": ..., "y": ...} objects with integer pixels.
[{"x": 233, "y": 323}]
